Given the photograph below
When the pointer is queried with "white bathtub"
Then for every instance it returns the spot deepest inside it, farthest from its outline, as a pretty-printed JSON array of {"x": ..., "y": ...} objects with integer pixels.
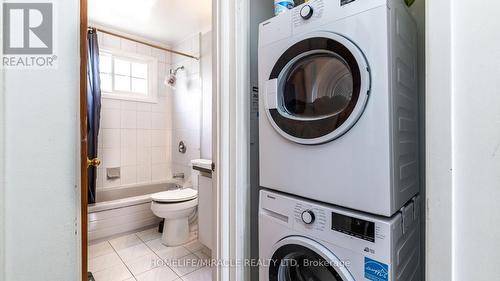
[{"x": 123, "y": 209}]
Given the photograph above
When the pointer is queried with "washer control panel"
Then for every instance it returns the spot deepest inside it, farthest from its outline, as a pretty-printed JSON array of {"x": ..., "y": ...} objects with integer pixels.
[
  {"x": 310, "y": 216},
  {"x": 311, "y": 11}
]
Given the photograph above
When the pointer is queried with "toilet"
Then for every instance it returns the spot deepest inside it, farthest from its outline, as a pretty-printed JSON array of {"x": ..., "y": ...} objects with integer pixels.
[{"x": 175, "y": 206}]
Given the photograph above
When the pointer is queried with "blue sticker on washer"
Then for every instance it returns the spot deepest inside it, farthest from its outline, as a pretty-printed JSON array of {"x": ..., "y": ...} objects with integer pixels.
[{"x": 376, "y": 271}]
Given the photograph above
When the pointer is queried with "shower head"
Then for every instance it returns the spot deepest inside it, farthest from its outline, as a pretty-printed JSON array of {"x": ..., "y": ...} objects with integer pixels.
[{"x": 172, "y": 79}]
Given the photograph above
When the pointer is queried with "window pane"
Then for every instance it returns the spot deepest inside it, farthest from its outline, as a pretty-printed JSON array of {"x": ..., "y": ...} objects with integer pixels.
[
  {"x": 140, "y": 70},
  {"x": 122, "y": 83},
  {"x": 106, "y": 83},
  {"x": 139, "y": 86},
  {"x": 105, "y": 63},
  {"x": 122, "y": 67}
]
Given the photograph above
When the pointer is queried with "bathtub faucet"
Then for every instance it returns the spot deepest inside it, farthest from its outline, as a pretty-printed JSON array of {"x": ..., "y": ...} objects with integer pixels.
[{"x": 179, "y": 176}]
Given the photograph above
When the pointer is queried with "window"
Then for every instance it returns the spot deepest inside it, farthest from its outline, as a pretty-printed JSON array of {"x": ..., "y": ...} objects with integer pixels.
[{"x": 128, "y": 76}]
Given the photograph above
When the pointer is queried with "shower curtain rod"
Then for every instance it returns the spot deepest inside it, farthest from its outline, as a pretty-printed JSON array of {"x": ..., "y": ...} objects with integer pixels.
[{"x": 145, "y": 43}]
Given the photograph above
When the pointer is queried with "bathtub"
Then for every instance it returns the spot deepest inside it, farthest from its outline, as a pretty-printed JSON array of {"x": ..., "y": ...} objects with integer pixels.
[{"x": 124, "y": 209}]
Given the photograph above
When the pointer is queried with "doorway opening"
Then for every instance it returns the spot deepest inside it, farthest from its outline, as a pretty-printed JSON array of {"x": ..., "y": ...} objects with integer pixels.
[{"x": 147, "y": 205}]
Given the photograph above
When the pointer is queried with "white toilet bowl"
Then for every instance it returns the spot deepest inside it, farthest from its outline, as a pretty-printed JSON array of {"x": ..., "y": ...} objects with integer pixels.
[{"x": 175, "y": 206}]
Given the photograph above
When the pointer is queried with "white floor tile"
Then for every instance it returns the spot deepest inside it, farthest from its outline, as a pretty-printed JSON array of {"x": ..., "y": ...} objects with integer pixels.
[
  {"x": 203, "y": 274},
  {"x": 118, "y": 272},
  {"x": 103, "y": 262},
  {"x": 185, "y": 265},
  {"x": 134, "y": 252},
  {"x": 100, "y": 249},
  {"x": 194, "y": 246},
  {"x": 125, "y": 242},
  {"x": 144, "y": 264},
  {"x": 149, "y": 234},
  {"x": 162, "y": 273},
  {"x": 167, "y": 252},
  {"x": 202, "y": 255}
]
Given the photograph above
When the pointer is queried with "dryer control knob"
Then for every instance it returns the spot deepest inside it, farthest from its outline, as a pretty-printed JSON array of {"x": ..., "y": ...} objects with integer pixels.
[
  {"x": 308, "y": 217},
  {"x": 306, "y": 12}
]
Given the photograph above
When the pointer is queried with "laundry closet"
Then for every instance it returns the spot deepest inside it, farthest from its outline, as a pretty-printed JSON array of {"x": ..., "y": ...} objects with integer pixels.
[{"x": 336, "y": 139}]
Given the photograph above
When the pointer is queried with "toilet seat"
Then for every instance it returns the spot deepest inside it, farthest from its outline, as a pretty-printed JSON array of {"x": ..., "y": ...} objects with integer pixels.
[{"x": 175, "y": 196}]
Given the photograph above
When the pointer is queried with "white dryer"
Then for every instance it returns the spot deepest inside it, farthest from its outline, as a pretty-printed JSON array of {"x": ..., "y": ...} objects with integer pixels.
[
  {"x": 339, "y": 104},
  {"x": 303, "y": 240}
]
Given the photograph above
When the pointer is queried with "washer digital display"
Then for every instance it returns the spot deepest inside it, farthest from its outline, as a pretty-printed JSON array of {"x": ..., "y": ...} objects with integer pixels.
[{"x": 354, "y": 227}]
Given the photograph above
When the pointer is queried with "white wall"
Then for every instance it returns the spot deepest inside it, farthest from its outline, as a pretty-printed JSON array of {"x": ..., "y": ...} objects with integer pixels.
[
  {"x": 41, "y": 148},
  {"x": 136, "y": 136},
  {"x": 476, "y": 135},
  {"x": 2, "y": 162},
  {"x": 186, "y": 106},
  {"x": 463, "y": 133}
]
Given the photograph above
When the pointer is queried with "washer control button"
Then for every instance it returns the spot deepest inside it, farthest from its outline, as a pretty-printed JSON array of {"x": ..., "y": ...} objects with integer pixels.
[
  {"x": 306, "y": 12},
  {"x": 308, "y": 217}
]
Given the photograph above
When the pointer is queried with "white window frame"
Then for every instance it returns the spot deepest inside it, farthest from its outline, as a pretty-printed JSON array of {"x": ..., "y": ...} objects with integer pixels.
[{"x": 152, "y": 79}]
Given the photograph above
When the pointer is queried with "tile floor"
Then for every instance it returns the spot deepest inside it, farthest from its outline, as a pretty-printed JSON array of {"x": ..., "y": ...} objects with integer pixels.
[{"x": 142, "y": 257}]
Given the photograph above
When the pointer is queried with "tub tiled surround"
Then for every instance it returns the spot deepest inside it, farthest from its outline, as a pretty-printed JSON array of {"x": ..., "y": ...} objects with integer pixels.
[
  {"x": 136, "y": 136},
  {"x": 186, "y": 106}
]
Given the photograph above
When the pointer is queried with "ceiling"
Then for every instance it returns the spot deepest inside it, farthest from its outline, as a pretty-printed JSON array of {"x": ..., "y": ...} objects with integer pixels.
[{"x": 164, "y": 21}]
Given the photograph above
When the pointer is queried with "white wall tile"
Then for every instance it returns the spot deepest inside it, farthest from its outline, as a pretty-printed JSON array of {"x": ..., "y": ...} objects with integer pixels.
[
  {"x": 110, "y": 119},
  {"x": 99, "y": 178},
  {"x": 128, "y": 46},
  {"x": 111, "y": 157},
  {"x": 128, "y": 119},
  {"x": 143, "y": 50},
  {"x": 144, "y": 155},
  {"x": 111, "y": 138},
  {"x": 162, "y": 105},
  {"x": 143, "y": 138},
  {"x": 158, "y": 54},
  {"x": 128, "y": 105},
  {"x": 128, "y": 138},
  {"x": 128, "y": 175},
  {"x": 159, "y": 155},
  {"x": 111, "y": 182},
  {"x": 159, "y": 172},
  {"x": 143, "y": 120},
  {"x": 128, "y": 156},
  {"x": 109, "y": 41},
  {"x": 110, "y": 103},
  {"x": 162, "y": 70},
  {"x": 144, "y": 173},
  {"x": 144, "y": 106},
  {"x": 158, "y": 121},
  {"x": 126, "y": 135},
  {"x": 158, "y": 138}
]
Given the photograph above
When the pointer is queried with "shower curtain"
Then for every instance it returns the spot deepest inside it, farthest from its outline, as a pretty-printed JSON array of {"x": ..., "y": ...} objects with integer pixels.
[{"x": 93, "y": 109}]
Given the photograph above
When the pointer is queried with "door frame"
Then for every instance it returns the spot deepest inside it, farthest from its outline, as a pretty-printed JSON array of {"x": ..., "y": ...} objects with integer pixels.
[
  {"x": 232, "y": 94},
  {"x": 83, "y": 140},
  {"x": 439, "y": 220},
  {"x": 231, "y": 135}
]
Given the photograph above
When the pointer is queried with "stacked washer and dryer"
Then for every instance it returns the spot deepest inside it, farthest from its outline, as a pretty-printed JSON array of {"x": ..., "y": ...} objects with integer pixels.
[{"x": 339, "y": 151}]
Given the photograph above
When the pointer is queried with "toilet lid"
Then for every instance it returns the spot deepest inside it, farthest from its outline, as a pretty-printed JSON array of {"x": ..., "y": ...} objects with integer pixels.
[{"x": 177, "y": 195}]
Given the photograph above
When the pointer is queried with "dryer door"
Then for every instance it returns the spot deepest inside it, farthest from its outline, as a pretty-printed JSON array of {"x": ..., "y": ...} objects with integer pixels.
[
  {"x": 298, "y": 258},
  {"x": 317, "y": 89}
]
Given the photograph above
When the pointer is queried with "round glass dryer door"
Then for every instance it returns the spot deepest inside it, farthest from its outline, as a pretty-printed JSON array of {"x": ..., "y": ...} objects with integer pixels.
[
  {"x": 301, "y": 259},
  {"x": 317, "y": 89}
]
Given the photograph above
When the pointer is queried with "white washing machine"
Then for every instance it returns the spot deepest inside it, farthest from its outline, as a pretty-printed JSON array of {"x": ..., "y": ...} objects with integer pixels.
[
  {"x": 339, "y": 105},
  {"x": 300, "y": 240}
]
